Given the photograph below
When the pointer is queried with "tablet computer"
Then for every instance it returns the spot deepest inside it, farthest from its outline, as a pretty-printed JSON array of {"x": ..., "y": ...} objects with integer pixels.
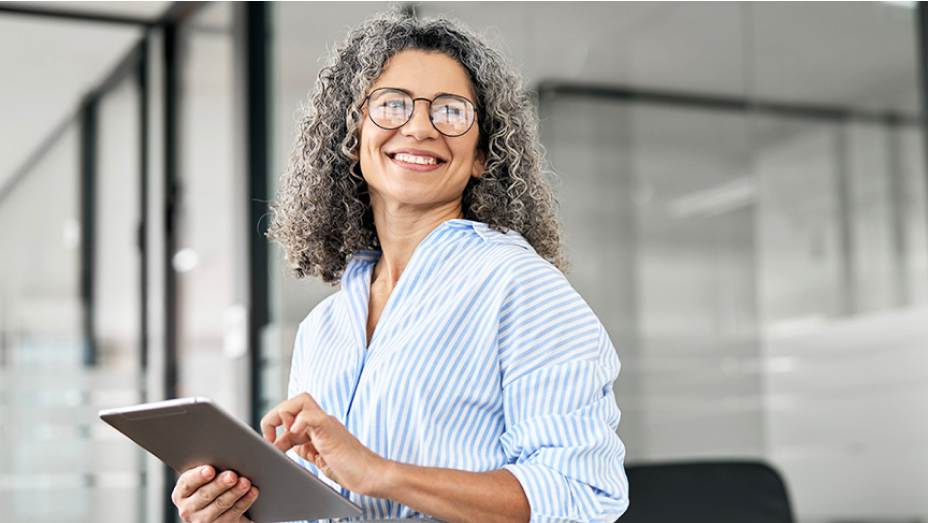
[{"x": 188, "y": 432}]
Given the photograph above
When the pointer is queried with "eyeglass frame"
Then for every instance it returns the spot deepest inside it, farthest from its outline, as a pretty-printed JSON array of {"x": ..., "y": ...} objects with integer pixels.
[{"x": 413, "y": 112}]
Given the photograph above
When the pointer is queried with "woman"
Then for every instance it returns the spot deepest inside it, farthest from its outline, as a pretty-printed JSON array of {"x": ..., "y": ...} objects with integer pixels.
[{"x": 456, "y": 374}]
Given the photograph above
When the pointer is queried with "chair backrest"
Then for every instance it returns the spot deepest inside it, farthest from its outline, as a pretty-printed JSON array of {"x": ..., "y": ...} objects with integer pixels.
[{"x": 707, "y": 492}]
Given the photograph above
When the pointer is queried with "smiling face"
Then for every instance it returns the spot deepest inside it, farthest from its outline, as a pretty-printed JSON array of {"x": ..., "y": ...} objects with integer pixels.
[{"x": 416, "y": 168}]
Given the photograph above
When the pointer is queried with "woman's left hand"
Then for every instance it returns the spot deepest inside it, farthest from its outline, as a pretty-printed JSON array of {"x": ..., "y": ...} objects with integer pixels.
[{"x": 326, "y": 443}]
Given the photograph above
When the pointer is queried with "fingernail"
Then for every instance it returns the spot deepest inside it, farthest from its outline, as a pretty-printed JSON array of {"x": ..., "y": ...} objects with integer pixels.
[
  {"x": 228, "y": 479},
  {"x": 206, "y": 472}
]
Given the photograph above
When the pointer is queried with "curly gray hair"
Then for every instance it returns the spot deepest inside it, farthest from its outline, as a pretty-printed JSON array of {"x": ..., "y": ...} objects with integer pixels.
[{"x": 323, "y": 215}]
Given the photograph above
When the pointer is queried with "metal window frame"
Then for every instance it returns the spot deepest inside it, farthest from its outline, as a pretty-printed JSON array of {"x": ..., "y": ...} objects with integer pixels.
[
  {"x": 921, "y": 30},
  {"x": 257, "y": 66}
]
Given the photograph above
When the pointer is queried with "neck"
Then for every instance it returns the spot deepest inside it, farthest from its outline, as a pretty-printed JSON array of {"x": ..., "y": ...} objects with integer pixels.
[{"x": 400, "y": 232}]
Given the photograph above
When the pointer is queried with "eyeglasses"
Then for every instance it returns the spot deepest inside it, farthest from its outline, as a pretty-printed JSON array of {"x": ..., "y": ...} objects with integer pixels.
[{"x": 391, "y": 108}]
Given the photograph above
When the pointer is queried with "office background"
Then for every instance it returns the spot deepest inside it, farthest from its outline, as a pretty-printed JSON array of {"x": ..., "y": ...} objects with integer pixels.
[{"x": 743, "y": 187}]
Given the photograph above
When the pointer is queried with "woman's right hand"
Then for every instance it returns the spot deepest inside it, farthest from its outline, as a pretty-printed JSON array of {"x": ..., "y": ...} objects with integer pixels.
[{"x": 202, "y": 496}]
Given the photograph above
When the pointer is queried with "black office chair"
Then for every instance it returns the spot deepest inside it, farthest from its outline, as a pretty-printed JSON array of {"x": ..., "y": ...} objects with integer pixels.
[{"x": 707, "y": 492}]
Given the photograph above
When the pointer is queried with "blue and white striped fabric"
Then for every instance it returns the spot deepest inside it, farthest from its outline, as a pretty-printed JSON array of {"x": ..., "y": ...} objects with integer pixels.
[{"x": 483, "y": 358}]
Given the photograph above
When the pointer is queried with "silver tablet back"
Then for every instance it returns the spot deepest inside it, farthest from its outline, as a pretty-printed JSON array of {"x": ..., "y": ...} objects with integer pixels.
[{"x": 188, "y": 432}]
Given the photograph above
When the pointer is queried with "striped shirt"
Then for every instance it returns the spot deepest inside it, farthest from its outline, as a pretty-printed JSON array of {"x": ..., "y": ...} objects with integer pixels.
[{"x": 484, "y": 358}]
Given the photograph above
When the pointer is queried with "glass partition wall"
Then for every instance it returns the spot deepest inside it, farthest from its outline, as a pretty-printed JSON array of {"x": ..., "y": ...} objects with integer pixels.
[
  {"x": 841, "y": 237},
  {"x": 70, "y": 326},
  {"x": 42, "y": 354},
  {"x": 743, "y": 192},
  {"x": 210, "y": 260}
]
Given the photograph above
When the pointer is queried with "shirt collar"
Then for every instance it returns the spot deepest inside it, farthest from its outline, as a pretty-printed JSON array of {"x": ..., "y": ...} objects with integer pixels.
[{"x": 481, "y": 229}]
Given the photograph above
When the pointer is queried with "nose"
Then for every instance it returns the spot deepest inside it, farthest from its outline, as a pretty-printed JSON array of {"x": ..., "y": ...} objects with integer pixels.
[{"x": 420, "y": 126}]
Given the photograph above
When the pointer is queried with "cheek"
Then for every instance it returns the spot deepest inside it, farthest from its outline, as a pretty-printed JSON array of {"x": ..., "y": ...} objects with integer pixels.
[
  {"x": 367, "y": 147},
  {"x": 474, "y": 156},
  {"x": 372, "y": 139}
]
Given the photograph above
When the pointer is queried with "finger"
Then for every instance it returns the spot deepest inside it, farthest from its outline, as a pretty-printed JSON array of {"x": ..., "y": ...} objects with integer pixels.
[
  {"x": 308, "y": 452},
  {"x": 240, "y": 507},
  {"x": 307, "y": 402},
  {"x": 208, "y": 493},
  {"x": 287, "y": 440},
  {"x": 283, "y": 414},
  {"x": 190, "y": 481},
  {"x": 269, "y": 424},
  {"x": 226, "y": 502},
  {"x": 286, "y": 419},
  {"x": 312, "y": 418}
]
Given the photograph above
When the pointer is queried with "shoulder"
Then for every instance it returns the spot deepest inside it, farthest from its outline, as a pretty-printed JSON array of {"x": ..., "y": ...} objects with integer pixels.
[
  {"x": 482, "y": 234},
  {"x": 524, "y": 281},
  {"x": 506, "y": 254}
]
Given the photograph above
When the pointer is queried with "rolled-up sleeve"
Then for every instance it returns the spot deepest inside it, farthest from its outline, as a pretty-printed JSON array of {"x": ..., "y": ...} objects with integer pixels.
[{"x": 557, "y": 369}]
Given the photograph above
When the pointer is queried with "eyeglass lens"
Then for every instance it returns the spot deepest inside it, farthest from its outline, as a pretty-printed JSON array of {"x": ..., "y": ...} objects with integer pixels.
[{"x": 391, "y": 109}]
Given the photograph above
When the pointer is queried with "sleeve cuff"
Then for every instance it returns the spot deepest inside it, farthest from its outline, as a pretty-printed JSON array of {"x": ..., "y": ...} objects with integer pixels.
[{"x": 553, "y": 498}]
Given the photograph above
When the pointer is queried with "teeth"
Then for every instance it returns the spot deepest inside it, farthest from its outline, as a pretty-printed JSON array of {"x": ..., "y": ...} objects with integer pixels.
[{"x": 421, "y": 160}]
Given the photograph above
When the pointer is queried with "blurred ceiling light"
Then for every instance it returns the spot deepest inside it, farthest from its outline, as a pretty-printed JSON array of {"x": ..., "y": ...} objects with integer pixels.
[
  {"x": 782, "y": 364},
  {"x": 796, "y": 326},
  {"x": 901, "y": 3},
  {"x": 185, "y": 260},
  {"x": 717, "y": 200},
  {"x": 71, "y": 233}
]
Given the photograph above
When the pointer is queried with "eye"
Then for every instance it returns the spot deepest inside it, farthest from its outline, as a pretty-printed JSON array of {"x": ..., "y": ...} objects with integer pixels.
[
  {"x": 390, "y": 108},
  {"x": 393, "y": 103},
  {"x": 450, "y": 111}
]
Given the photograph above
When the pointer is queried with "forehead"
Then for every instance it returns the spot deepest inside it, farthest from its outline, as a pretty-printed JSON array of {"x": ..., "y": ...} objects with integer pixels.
[{"x": 425, "y": 73}]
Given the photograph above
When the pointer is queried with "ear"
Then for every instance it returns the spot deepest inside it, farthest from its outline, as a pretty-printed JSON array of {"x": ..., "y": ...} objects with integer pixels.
[{"x": 480, "y": 164}]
